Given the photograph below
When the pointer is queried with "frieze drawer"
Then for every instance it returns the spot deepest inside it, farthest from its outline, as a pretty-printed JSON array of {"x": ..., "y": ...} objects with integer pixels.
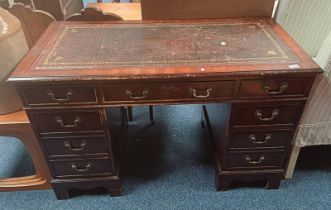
[
  {"x": 288, "y": 114},
  {"x": 75, "y": 145},
  {"x": 255, "y": 160},
  {"x": 168, "y": 91},
  {"x": 275, "y": 88},
  {"x": 81, "y": 167},
  {"x": 58, "y": 95},
  {"x": 67, "y": 121},
  {"x": 260, "y": 139}
]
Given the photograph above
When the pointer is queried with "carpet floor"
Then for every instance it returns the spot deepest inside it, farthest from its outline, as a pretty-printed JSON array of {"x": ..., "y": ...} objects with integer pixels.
[{"x": 169, "y": 166}]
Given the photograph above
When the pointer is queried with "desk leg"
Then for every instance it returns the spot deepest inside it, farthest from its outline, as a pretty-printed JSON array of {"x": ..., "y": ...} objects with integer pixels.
[
  {"x": 292, "y": 162},
  {"x": 62, "y": 187}
]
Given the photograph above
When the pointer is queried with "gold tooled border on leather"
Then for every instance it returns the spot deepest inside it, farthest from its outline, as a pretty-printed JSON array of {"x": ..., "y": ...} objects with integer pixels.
[{"x": 46, "y": 63}]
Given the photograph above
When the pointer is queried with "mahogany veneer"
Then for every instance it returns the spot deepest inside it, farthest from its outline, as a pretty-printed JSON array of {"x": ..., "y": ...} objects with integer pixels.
[{"x": 253, "y": 78}]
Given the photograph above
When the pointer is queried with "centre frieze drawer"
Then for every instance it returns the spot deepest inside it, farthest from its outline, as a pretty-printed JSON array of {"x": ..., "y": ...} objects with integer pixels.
[
  {"x": 67, "y": 121},
  {"x": 168, "y": 91}
]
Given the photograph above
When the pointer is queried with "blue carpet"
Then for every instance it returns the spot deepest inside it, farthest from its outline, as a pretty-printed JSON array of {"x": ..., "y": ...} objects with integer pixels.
[{"x": 168, "y": 166}]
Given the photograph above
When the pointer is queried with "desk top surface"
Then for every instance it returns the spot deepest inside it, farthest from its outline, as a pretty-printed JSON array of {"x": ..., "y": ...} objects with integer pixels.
[{"x": 151, "y": 49}]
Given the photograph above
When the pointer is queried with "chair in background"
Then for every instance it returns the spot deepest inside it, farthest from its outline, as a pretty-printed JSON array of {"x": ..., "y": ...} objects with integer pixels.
[
  {"x": 315, "y": 126},
  {"x": 12, "y": 122},
  {"x": 93, "y": 14},
  {"x": 18, "y": 125},
  {"x": 34, "y": 22},
  {"x": 60, "y": 9},
  {"x": 309, "y": 23}
]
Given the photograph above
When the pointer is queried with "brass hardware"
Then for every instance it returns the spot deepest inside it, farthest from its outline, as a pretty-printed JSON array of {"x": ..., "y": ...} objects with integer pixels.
[
  {"x": 267, "y": 138},
  {"x": 68, "y": 97},
  {"x": 76, "y": 122},
  {"x": 86, "y": 168},
  {"x": 259, "y": 115},
  {"x": 258, "y": 161},
  {"x": 194, "y": 92},
  {"x": 281, "y": 89},
  {"x": 82, "y": 146},
  {"x": 144, "y": 94}
]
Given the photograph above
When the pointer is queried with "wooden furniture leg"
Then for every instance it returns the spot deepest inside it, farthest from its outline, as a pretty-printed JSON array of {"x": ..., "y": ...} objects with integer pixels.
[
  {"x": 151, "y": 114},
  {"x": 17, "y": 125},
  {"x": 292, "y": 162},
  {"x": 130, "y": 117}
]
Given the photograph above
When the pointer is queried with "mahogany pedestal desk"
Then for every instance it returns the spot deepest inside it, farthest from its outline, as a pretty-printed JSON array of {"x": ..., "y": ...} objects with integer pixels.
[{"x": 252, "y": 77}]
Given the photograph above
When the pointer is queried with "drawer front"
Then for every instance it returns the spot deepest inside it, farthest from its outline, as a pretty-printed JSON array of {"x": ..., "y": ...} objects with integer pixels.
[
  {"x": 75, "y": 145},
  {"x": 81, "y": 168},
  {"x": 68, "y": 121},
  {"x": 168, "y": 91},
  {"x": 260, "y": 139},
  {"x": 58, "y": 95},
  {"x": 275, "y": 87},
  {"x": 255, "y": 160},
  {"x": 267, "y": 114}
]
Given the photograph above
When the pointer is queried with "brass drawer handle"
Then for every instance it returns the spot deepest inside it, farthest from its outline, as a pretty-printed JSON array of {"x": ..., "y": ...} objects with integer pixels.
[
  {"x": 86, "y": 168},
  {"x": 253, "y": 138},
  {"x": 259, "y": 115},
  {"x": 194, "y": 92},
  {"x": 258, "y": 161},
  {"x": 76, "y": 122},
  {"x": 69, "y": 94},
  {"x": 81, "y": 147},
  {"x": 144, "y": 94},
  {"x": 281, "y": 89}
]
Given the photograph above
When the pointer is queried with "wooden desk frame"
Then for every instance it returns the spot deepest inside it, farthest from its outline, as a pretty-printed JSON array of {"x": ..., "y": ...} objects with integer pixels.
[{"x": 267, "y": 99}]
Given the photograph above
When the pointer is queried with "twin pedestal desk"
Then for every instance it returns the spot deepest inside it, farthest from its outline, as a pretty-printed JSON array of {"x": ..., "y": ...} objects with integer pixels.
[{"x": 251, "y": 77}]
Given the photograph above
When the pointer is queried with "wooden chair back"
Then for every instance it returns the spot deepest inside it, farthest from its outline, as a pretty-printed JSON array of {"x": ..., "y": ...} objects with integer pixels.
[
  {"x": 207, "y": 9},
  {"x": 34, "y": 22},
  {"x": 93, "y": 14}
]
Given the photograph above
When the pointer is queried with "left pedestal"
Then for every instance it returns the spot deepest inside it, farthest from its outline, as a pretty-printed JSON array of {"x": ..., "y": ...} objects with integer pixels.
[{"x": 82, "y": 147}]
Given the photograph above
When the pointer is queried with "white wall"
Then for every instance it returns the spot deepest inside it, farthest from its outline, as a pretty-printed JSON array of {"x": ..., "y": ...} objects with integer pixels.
[{"x": 307, "y": 21}]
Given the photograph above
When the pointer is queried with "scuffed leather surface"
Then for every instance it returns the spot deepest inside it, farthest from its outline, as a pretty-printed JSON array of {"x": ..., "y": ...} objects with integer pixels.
[{"x": 146, "y": 45}]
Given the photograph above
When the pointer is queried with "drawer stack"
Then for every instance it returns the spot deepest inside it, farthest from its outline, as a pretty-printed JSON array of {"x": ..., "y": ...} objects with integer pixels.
[
  {"x": 252, "y": 121},
  {"x": 77, "y": 142},
  {"x": 255, "y": 140}
]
